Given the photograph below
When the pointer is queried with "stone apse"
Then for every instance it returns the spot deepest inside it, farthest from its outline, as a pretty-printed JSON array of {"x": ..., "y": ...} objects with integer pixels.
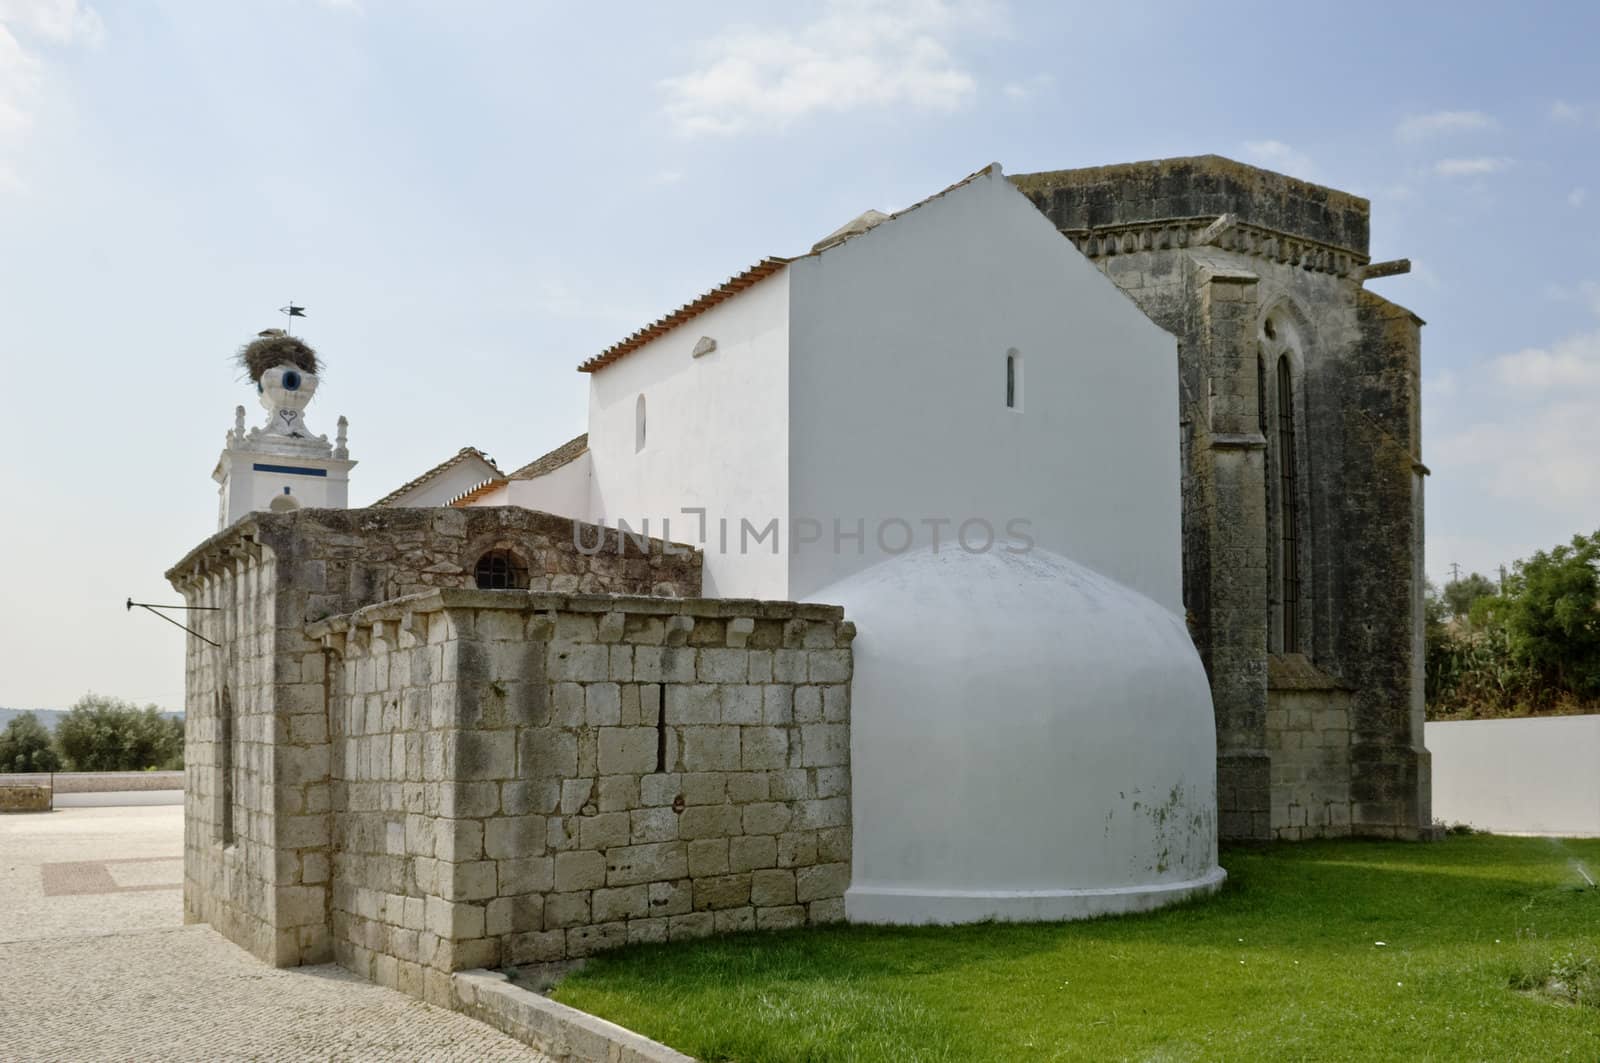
[{"x": 428, "y": 777}]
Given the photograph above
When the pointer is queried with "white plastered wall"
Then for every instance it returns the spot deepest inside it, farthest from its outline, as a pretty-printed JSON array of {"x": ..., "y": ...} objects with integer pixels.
[
  {"x": 563, "y": 491},
  {"x": 1536, "y": 775},
  {"x": 897, "y": 378},
  {"x": 456, "y": 480},
  {"x": 716, "y": 438}
]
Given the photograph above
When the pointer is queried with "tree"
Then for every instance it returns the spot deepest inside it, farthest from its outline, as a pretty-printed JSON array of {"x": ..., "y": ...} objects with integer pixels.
[
  {"x": 107, "y": 734},
  {"x": 25, "y": 746},
  {"x": 1553, "y": 617},
  {"x": 1459, "y": 594}
]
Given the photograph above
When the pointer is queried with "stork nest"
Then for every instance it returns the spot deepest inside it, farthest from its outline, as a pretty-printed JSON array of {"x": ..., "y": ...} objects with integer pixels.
[{"x": 260, "y": 355}]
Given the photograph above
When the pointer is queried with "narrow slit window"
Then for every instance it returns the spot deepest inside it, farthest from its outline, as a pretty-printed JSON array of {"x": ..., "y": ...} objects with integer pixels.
[
  {"x": 1013, "y": 380},
  {"x": 225, "y": 785},
  {"x": 661, "y": 727},
  {"x": 638, "y": 424}
]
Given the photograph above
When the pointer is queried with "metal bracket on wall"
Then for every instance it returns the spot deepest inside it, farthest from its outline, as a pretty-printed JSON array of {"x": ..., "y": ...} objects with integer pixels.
[{"x": 156, "y": 609}]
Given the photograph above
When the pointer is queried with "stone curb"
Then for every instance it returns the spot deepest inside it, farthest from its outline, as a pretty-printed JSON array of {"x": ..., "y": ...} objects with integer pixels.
[{"x": 565, "y": 1034}]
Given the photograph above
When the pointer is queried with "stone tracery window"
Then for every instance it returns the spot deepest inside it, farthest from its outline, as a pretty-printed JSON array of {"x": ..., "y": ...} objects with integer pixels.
[
  {"x": 1289, "y": 511},
  {"x": 1277, "y": 406}
]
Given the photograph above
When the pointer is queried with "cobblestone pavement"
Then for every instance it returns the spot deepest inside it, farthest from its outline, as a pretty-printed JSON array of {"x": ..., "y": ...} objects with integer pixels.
[
  {"x": 144, "y": 843},
  {"x": 94, "y": 966}
]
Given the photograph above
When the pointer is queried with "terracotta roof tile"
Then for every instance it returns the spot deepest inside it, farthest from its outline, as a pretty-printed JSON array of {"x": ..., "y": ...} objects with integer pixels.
[
  {"x": 567, "y": 452},
  {"x": 438, "y": 470}
]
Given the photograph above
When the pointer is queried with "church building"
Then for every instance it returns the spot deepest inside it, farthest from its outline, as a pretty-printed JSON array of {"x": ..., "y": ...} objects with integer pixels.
[{"x": 988, "y": 560}]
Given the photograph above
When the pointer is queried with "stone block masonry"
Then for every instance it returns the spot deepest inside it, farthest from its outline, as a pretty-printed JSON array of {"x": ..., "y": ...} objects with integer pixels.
[
  {"x": 525, "y": 777},
  {"x": 259, "y": 798},
  {"x": 389, "y": 767},
  {"x": 25, "y": 798},
  {"x": 1302, "y": 476}
]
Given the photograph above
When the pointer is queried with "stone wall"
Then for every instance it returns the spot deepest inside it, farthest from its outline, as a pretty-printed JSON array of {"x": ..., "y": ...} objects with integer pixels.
[
  {"x": 25, "y": 798},
  {"x": 258, "y": 799},
  {"x": 530, "y": 777},
  {"x": 1295, "y": 252},
  {"x": 1308, "y": 742}
]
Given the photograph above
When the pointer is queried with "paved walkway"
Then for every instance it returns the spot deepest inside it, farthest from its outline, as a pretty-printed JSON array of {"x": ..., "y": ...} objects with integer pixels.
[{"x": 95, "y": 964}]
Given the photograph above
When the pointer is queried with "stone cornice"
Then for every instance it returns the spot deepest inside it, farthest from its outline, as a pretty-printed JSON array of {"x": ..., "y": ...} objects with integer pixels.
[
  {"x": 531, "y": 602},
  {"x": 1168, "y": 234}
]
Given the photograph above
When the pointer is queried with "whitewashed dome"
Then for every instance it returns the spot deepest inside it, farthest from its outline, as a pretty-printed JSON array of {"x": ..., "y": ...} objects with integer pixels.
[{"x": 1029, "y": 740}]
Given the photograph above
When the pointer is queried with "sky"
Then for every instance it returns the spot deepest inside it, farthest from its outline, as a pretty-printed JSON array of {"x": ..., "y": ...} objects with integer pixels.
[{"x": 472, "y": 197}]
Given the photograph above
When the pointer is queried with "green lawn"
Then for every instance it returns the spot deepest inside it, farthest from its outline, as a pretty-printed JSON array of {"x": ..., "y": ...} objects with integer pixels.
[{"x": 1284, "y": 963}]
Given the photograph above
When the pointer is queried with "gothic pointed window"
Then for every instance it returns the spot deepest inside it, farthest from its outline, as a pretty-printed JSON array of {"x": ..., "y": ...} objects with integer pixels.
[{"x": 1288, "y": 517}]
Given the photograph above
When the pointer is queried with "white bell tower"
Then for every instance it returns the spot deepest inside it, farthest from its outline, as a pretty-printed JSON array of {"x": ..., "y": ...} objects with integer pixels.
[{"x": 281, "y": 466}]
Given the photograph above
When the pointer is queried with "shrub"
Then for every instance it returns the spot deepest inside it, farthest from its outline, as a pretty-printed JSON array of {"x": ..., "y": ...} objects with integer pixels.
[
  {"x": 106, "y": 734},
  {"x": 25, "y": 746}
]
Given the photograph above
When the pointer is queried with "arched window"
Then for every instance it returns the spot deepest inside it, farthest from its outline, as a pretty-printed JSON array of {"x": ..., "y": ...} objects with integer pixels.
[
  {"x": 500, "y": 570},
  {"x": 1013, "y": 380},
  {"x": 224, "y": 762},
  {"x": 1266, "y": 467},
  {"x": 1280, "y": 357},
  {"x": 638, "y": 424},
  {"x": 1289, "y": 505}
]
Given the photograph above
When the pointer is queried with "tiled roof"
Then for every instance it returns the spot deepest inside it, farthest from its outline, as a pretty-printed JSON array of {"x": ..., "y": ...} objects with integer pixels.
[
  {"x": 569, "y": 451},
  {"x": 757, "y": 273},
  {"x": 440, "y": 469},
  {"x": 565, "y": 454},
  {"x": 472, "y": 494},
  {"x": 728, "y": 288}
]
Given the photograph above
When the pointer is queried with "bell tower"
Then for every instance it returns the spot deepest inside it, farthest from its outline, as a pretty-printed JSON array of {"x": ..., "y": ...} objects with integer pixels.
[{"x": 280, "y": 466}]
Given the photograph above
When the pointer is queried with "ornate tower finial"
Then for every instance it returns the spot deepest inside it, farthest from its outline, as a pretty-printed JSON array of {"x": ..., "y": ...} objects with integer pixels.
[
  {"x": 340, "y": 449},
  {"x": 281, "y": 466}
]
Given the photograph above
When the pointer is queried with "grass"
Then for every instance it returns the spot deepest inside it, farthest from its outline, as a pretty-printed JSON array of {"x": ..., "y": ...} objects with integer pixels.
[{"x": 1477, "y": 947}]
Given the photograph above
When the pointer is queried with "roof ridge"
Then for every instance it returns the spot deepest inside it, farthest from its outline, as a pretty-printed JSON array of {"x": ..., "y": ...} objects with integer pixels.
[
  {"x": 444, "y": 466},
  {"x": 759, "y": 272}
]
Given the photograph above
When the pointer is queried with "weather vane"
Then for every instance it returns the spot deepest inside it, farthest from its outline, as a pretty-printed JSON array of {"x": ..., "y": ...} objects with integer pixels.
[{"x": 293, "y": 312}]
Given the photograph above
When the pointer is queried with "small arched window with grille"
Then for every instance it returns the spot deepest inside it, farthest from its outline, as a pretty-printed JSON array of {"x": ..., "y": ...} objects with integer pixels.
[
  {"x": 638, "y": 424},
  {"x": 500, "y": 570}
]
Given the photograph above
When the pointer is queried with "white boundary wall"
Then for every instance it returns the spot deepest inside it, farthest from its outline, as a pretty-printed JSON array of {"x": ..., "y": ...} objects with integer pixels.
[{"x": 1536, "y": 775}]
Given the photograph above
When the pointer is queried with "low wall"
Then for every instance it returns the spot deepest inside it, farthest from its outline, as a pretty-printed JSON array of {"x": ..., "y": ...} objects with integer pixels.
[
  {"x": 1537, "y": 775},
  {"x": 98, "y": 782},
  {"x": 29, "y": 798},
  {"x": 522, "y": 777}
]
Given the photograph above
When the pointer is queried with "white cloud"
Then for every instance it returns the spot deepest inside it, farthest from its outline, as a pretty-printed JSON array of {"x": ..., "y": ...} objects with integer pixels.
[
  {"x": 1540, "y": 455},
  {"x": 1586, "y": 292},
  {"x": 1571, "y": 364},
  {"x": 1277, "y": 155},
  {"x": 855, "y": 54},
  {"x": 666, "y": 177},
  {"x": 1568, "y": 113},
  {"x": 1439, "y": 123},
  {"x": 19, "y": 82},
  {"x": 1021, "y": 91},
  {"x": 1520, "y": 431},
  {"x": 1475, "y": 167},
  {"x": 53, "y": 22},
  {"x": 1576, "y": 197}
]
